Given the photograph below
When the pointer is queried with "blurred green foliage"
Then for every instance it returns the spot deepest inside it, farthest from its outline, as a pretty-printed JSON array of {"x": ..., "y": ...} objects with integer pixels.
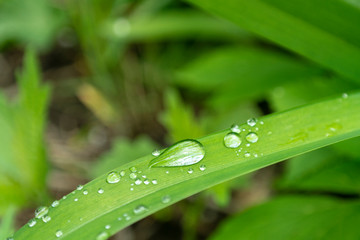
[
  {"x": 171, "y": 71},
  {"x": 23, "y": 155}
]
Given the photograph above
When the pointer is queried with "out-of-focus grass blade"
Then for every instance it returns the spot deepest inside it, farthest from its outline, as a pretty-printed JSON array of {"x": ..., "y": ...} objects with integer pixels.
[
  {"x": 295, "y": 217},
  {"x": 330, "y": 37},
  {"x": 7, "y": 223},
  {"x": 100, "y": 209}
]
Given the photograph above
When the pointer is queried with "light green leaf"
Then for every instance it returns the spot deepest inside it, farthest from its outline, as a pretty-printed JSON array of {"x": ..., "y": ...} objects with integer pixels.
[
  {"x": 295, "y": 217},
  {"x": 23, "y": 165},
  {"x": 143, "y": 190},
  {"x": 330, "y": 37},
  {"x": 7, "y": 223},
  {"x": 179, "y": 119},
  {"x": 29, "y": 22}
]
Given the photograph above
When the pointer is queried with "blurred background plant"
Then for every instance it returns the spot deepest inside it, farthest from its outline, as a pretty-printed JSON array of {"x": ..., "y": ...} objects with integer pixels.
[{"x": 128, "y": 77}]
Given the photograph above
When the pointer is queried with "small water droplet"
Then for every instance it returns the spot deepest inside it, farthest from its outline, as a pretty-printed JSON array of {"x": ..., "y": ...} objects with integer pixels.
[
  {"x": 262, "y": 122},
  {"x": 235, "y": 128},
  {"x": 81, "y": 219},
  {"x": 156, "y": 152},
  {"x": 166, "y": 199},
  {"x": 251, "y": 122},
  {"x": 9, "y": 238},
  {"x": 232, "y": 140},
  {"x": 126, "y": 216},
  {"x": 41, "y": 211},
  {"x": 133, "y": 169},
  {"x": 190, "y": 170},
  {"x": 143, "y": 176},
  {"x": 247, "y": 154},
  {"x": 154, "y": 181},
  {"x": 55, "y": 203},
  {"x": 46, "y": 218},
  {"x": 248, "y": 145},
  {"x": 119, "y": 218},
  {"x": 345, "y": 95},
  {"x": 183, "y": 153},
  {"x": 102, "y": 236},
  {"x": 256, "y": 129},
  {"x": 131, "y": 189},
  {"x": 79, "y": 187},
  {"x": 146, "y": 181},
  {"x": 140, "y": 209},
  {"x": 107, "y": 226},
  {"x": 133, "y": 175},
  {"x": 85, "y": 192},
  {"x": 122, "y": 173},
  {"x": 32, "y": 223},
  {"x": 100, "y": 191},
  {"x": 202, "y": 167},
  {"x": 76, "y": 199},
  {"x": 167, "y": 172},
  {"x": 269, "y": 132},
  {"x": 256, "y": 155},
  {"x": 252, "y": 137},
  {"x": 138, "y": 181},
  {"x": 113, "y": 177},
  {"x": 58, "y": 233}
]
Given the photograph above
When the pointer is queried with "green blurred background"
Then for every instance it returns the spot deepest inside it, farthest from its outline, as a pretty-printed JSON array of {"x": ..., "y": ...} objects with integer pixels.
[{"x": 87, "y": 85}]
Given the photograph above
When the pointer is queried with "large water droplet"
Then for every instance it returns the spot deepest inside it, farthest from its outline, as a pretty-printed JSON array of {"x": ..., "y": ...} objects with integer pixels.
[
  {"x": 113, "y": 177},
  {"x": 140, "y": 209},
  {"x": 58, "y": 233},
  {"x": 252, "y": 137},
  {"x": 41, "y": 211},
  {"x": 32, "y": 223},
  {"x": 183, "y": 153},
  {"x": 251, "y": 122},
  {"x": 232, "y": 140},
  {"x": 102, "y": 236},
  {"x": 235, "y": 128}
]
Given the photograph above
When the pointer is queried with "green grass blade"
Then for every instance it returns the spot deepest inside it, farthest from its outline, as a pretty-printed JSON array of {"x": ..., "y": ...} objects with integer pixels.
[
  {"x": 330, "y": 37},
  {"x": 281, "y": 135}
]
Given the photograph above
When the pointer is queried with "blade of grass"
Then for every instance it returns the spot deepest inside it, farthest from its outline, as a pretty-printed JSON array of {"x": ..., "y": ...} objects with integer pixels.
[
  {"x": 293, "y": 25},
  {"x": 282, "y": 135}
]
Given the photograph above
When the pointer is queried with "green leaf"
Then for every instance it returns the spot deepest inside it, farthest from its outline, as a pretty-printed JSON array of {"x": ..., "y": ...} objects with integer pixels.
[
  {"x": 30, "y": 23},
  {"x": 179, "y": 119},
  {"x": 23, "y": 165},
  {"x": 122, "y": 152},
  {"x": 7, "y": 223},
  {"x": 330, "y": 37},
  {"x": 322, "y": 170},
  {"x": 143, "y": 190},
  {"x": 295, "y": 217}
]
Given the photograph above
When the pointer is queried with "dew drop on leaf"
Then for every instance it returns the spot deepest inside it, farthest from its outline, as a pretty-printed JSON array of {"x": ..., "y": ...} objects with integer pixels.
[
  {"x": 140, "y": 209},
  {"x": 113, "y": 177},
  {"x": 79, "y": 187},
  {"x": 133, "y": 169},
  {"x": 32, "y": 223},
  {"x": 100, "y": 191},
  {"x": 138, "y": 181},
  {"x": 122, "y": 173},
  {"x": 55, "y": 203},
  {"x": 251, "y": 122},
  {"x": 85, "y": 192},
  {"x": 190, "y": 171},
  {"x": 252, "y": 137},
  {"x": 154, "y": 181},
  {"x": 102, "y": 236},
  {"x": 156, "y": 153},
  {"x": 107, "y": 226},
  {"x": 202, "y": 167},
  {"x": 183, "y": 153},
  {"x": 232, "y": 140},
  {"x": 235, "y": 128},
  {"x": 166, "y": 199},
  {"x": 132, "y": 175},
  {"x": 41, "y": 211},
  {"x": 58, "y": 233},
  {"x": 46, "y": 218}
]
